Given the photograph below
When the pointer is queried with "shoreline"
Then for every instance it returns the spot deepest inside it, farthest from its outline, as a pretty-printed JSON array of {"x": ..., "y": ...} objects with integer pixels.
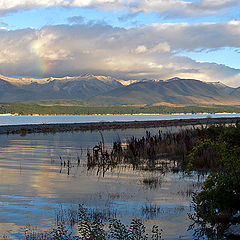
[
  {"x": 109, "y": 114},
  {"x": 67, "y": 127}
]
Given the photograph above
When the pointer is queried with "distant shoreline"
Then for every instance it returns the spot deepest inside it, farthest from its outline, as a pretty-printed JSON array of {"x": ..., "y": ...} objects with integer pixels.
[
  {"x": 20, "y": 109},
  {"x": 124, "y": 114},
  {"x": 66, "y": 127}
]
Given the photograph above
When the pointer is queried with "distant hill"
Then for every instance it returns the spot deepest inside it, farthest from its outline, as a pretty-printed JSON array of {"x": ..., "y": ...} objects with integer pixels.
[
  {"x": 11, "y": 93},
  {"x": 236, "y": 92},
  {"x": 101, "y": 90},
  {"x": 173, "y": 91},
  {"x": 80, "y": 87}
]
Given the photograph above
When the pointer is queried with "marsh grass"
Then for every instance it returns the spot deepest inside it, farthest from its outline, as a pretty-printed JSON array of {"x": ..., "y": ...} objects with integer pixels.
[
  {"x": 187, "y": 150},
  {"x": 152, "y": 182},
  {"x": 151, "y": 210},
  {"x": 70, "y": 216},
  {"x": 183, "y": 151},
  {"x": 210, "y": 150},
  {"x": 164, "y": 151},
  {"x": 67, "y": 162},
  {"x": 95, "y": 225}
]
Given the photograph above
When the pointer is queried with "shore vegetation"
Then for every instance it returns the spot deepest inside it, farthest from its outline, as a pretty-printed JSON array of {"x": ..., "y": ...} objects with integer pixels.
[{"x": 31, "y": 109}]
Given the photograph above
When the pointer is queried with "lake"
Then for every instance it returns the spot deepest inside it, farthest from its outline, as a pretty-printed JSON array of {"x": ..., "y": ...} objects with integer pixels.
[
  {"x": 20, "y": 120},
  {"x": 34, "y": 187}
]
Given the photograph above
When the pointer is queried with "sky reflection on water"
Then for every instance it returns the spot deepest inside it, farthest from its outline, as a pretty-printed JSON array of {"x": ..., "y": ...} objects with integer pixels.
[
  {"x": 32, "y": 187},
  {"x": 44, "y": 119}
]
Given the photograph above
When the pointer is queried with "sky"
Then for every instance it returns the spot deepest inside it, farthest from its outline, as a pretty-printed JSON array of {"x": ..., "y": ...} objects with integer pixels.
[{"x": 126, "y": 39}]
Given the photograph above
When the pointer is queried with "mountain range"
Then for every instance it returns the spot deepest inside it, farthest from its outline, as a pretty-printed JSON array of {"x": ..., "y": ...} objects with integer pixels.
[{"x": 102, "y": 90}]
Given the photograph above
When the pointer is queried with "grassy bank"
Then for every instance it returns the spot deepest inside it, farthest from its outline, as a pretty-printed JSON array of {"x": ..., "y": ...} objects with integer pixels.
[{"x": 29, "y": 109}]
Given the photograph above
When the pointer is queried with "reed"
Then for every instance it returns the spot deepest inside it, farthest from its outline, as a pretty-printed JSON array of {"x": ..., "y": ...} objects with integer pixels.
[
  {"x": 151, "y": 210},
  {"x": 147, "y": 153},
  {"x": 186, "y": 150},
  {"x": 96, "y": 225},
  {"x": 152, "y": 182}
]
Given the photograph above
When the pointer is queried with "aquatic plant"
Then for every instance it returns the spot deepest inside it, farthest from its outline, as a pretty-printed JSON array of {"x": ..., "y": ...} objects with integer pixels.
[
  {"x": 151, "y": 210},
  {"x": 151, "y": 152},
  {"x": 152, "y": 182},
  {"x": 212, "y": 150},
  {"x": 93, "y": 226},
  {"x": 219, "y": 198}
]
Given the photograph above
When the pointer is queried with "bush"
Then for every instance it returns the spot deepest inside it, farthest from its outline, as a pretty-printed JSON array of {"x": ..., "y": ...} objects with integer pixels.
[{"x": 220, "y": 195}]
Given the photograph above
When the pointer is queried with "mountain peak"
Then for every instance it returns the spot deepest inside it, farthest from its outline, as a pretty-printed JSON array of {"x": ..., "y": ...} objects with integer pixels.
[
  {"x": 107, "y": 90},
  {"x": 87, "y": 75},
  {"x": 173, "y": 79},
  {"x": 218, "y": 83},
  {"x": 27, "y": 81}
]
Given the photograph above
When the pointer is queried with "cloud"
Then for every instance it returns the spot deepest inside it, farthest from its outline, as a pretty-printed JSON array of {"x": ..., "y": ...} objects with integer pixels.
[
  {"x": 183, "y": 9},
  {"x": 15, "y": 5},
  {"x": 136, "y": 53},
  {"x": 140, "y": 49},
  {"x": 3, "y": 24},
  {"x": 76, "y": 19},
  {"x": 128, "y": 16},
  {"x": 166, "y": 8}
]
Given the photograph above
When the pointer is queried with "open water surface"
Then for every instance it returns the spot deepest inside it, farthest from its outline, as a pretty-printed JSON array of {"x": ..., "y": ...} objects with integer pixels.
[
  {"x": 33, "y": 186},
  {"x": 19, "y": 120}
]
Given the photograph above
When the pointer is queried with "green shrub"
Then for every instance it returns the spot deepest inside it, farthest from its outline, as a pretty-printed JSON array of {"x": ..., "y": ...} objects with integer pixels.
[{"x": 220, "y": 195}]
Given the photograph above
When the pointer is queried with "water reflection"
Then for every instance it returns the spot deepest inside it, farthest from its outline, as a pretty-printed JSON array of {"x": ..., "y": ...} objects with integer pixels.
[
  {"x": 33, "y": 185},
  {"x": 44, "y": 119}
]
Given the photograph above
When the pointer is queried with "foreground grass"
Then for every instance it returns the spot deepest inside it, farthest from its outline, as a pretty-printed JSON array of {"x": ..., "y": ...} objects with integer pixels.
[{"x": 93, "y": 225}]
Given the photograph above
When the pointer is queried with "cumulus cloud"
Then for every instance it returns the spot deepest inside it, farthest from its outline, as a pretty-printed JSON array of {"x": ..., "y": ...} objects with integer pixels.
[
  {"x": 167, "y": 8},
  {"x": 14, "y": 5},
  {"x": 140, "y": 49},
  {"x": 181, "y": 9},
  {"x": 136, "y": 53}
]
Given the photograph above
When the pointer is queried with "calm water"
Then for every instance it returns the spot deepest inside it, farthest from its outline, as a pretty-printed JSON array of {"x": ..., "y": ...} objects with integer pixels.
[
  {"x": 33, "y": 186},
  {"x": 18, "y": 120}
]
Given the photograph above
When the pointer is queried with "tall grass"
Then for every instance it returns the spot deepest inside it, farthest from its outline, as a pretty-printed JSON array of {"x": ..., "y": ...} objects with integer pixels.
[
  {"x": 188, "y": 149},
  {"x": 93, "y": 225}
]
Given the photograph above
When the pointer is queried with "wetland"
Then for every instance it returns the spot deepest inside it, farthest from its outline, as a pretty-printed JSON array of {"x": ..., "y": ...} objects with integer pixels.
[{"x": 133, "y": 179}]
